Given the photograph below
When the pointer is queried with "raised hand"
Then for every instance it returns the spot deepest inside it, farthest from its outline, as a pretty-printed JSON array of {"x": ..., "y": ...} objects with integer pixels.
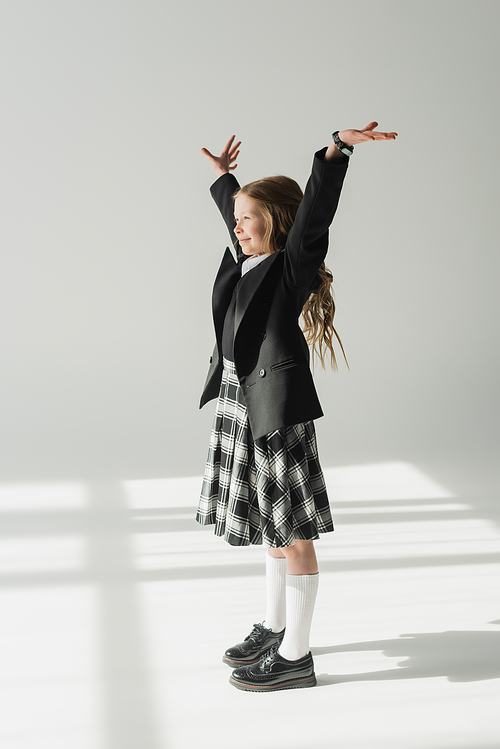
[
  {"x": 353, "y": 137},
  {"x": 225, "y": 162}
]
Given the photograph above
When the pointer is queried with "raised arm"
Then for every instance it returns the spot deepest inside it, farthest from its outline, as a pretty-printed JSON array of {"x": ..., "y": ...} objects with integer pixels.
[
  {"x": 307, "y": 242},
  {"x": 222, "y": 192},
  {"x": 226, "y": 185}
]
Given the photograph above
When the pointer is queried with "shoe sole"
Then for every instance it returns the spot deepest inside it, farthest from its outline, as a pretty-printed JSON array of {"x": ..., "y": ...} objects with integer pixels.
[
  {"x": 236, "y": 664},
  {"x": 306, "y": 681}
]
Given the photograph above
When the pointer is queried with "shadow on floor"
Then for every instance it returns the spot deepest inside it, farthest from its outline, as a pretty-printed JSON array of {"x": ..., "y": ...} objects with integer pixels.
[{"x": 460, "y": 656}]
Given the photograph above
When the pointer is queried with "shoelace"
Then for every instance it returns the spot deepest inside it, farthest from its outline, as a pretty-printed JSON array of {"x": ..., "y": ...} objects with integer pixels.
[
  {"x": 269, "y": 658},
  {"x": 258, "y": 632}
]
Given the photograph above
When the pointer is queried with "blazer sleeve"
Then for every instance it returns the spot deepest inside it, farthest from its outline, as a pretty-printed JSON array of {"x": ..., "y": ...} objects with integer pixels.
[
  {"x": 307, "y": 241},
  {"x": 222, "y": 192}
]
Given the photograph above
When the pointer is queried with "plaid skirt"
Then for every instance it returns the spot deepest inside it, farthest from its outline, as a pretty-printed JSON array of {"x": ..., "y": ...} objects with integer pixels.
[{"x": 270, "y": 490}]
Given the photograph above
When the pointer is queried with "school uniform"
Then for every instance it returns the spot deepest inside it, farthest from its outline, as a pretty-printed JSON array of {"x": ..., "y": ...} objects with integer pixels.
[{"x": 263, "y": 482}]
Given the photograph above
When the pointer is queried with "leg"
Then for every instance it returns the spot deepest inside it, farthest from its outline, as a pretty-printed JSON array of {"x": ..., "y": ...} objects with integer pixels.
[
  {"x": 289, "y": 666},
  {"x": 301, "y": 558},
  {"x": 262, "y": 638},
  {"x": 276, "y": 568},
  {"x": 276, "y": 553},
  {"x": 301, "y": 588}
]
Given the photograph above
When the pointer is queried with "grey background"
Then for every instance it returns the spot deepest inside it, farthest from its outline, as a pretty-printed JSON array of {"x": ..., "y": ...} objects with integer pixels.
[
  {"x": 109, "y": 246},
  {"x": 110, "y": 240}
]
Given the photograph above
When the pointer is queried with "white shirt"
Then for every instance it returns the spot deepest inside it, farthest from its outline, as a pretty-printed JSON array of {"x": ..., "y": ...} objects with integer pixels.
[{"x": 251, "y": 262}]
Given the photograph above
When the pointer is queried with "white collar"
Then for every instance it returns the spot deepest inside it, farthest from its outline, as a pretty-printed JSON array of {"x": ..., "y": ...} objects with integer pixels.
[{"x": 251, "y": 262}]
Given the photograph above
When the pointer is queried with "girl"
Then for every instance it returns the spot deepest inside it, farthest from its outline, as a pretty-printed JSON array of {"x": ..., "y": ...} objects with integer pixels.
[{"x": 263, "y": 482}]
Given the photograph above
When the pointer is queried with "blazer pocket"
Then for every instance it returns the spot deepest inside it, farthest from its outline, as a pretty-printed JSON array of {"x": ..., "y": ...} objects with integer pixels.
[{"x": 287, "y": 364}]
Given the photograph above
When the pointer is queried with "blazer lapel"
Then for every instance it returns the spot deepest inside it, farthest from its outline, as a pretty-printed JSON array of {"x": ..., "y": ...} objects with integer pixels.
[
  {"x": 248, "y": 291},
  {"x": 227, "y": 278}
]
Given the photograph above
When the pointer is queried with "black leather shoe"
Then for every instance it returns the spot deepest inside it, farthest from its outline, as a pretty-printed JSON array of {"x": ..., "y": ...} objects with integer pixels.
[
  {"x": 253, "y": 647},
  {"x": 273, "y": 672}
]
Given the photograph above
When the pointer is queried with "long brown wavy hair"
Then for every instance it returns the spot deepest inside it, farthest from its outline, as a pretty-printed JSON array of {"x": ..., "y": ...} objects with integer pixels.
[{"x": 278, "y": 198}]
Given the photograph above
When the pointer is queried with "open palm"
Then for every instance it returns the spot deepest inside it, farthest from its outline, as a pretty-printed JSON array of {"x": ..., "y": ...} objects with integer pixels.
[
  {"x": 226, "y": 161},
  {"x": 354, "y": 137}
]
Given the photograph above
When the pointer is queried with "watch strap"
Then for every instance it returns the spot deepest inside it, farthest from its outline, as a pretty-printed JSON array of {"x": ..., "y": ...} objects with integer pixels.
[{"x": 348, "y": 150}]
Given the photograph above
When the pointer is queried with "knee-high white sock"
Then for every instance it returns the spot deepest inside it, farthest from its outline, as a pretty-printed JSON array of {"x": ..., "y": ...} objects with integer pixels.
[
  {"x": 275, "y": 593},
  {"x": 301, "y": 593}
]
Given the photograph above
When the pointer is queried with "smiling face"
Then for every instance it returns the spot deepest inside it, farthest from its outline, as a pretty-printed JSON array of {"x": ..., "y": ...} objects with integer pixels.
[{"x": 250, "y": 225}]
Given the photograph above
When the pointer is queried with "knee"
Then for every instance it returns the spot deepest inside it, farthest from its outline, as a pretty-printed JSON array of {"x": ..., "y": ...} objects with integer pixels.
[
  {"x": 276, "y": 553},
  {"x": 299, "y": 549}
]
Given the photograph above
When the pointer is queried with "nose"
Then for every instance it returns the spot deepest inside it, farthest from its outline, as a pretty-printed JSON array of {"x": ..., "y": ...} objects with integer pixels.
[{"x": 237, "y": 228}]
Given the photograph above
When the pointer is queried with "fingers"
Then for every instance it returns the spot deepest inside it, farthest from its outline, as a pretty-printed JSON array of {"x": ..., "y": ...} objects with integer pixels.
[
  {"x": 369, "y": 133},
  {"x": 229, "y": 147},
  {"x": 377, "y": 135},
  {"x": 384, "y": 136},
  {"x": 228, "y": 144},
  {"x": 230, "y": 150},
  {"x": 228, "y": 156},
  {"x": 234, "y": 149}
]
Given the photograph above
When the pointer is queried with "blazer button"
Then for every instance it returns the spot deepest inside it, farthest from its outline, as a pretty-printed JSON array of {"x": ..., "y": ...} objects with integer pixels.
[
  {"x": 210, "y": 360},
  {"x": 264, "y": 336},
  {"x": 262, "y": 372}
]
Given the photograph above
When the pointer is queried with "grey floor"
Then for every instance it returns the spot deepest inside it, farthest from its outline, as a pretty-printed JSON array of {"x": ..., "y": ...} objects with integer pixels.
[{"x": 115, "y": 609}]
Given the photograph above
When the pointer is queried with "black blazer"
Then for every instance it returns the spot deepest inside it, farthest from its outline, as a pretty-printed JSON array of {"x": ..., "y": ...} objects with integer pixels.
[{"x": 270, "y": 352}]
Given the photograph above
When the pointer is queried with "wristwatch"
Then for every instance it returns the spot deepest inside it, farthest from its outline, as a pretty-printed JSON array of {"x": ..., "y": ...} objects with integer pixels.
[{"x": 348, "y": 150}]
